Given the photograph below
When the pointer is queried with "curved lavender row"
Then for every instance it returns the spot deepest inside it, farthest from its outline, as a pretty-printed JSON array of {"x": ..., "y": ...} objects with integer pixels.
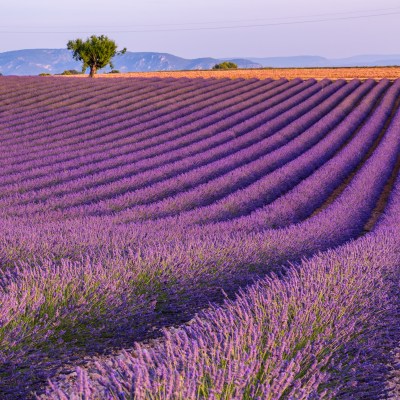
[
  {"x": 72, "y": 112},
  {"x": 178, "y": 138},
  {"x": 19, "y": 89},
  {"x": 180, "y": 267},
  {"x": 145, "y": 103},
  {"x": 44, "y": 110},
  {"x": 261, "y": 170},
  {"x": 128, "y": 100},
  {"x": 76, "y": 105},
  {"x": 199, "y": 175},
  {"x": 361, "y": 199},
  {"x": 118, "y": 157},
  {"x": 28, "y": 95},
  {"x": 283, "y": 119},
  {"x": 54, "y": 99},
  {"x": 391, "y": 215},
  {"x": 269, "y": 187},
  {"x": 12, "y": 87},
  {"x": 59, "y": 108},
  {"x": 260, "y": 138},
  {"x": 354, "y": 206},
  {"x": 341, "y": 303},
  {"x": 159, "y": 97},
  {"x": 118, "y": 139},
  {"x": 119, "y": 135},
  {"x": 311, "y": 193},
  {"x": 80, "y": 105},
  {"x": 295, "y": 337},
  {"x": 340, "y": 221},
  {"x": 43, "y": 93},
  {"x": 109, "y": 130},
  {"x": 13, "y": 81},
  {"x": 128, "y": 279},
  {"x": 141, "y": 85}
]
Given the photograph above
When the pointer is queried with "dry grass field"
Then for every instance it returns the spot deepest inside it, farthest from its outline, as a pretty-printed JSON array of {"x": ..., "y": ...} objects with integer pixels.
[{"x": 275, "y": 73}]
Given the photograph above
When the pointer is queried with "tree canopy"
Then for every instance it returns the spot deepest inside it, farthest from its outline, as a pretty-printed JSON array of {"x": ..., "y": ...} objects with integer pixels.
[
  {"x": 225, "y": 65},
  {"x": 95, "y": 52}
]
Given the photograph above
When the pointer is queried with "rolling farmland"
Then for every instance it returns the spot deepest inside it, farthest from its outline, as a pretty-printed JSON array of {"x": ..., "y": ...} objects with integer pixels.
[{"x": 193, "y": 238}]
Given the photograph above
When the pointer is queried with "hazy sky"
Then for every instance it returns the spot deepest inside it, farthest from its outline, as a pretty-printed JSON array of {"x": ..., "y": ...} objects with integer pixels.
[{"x": 217, "y": 28}]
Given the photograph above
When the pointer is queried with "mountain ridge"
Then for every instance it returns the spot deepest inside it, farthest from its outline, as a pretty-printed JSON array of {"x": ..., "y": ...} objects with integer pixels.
[
  {"x": 363, "y": 60},
  {"x": 55, "y": 61}
]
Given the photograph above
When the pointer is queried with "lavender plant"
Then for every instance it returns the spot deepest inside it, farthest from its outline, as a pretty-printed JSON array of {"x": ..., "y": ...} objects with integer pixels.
[{"x": 121, "y": 222}]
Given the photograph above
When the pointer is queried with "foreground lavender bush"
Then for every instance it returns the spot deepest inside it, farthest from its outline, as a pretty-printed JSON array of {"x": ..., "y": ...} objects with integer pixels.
[
  {"x": 320, "y": 332},
  {"x": 301, "y": 337}
]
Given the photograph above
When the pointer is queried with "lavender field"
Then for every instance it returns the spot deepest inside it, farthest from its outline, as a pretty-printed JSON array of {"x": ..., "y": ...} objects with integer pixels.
[{"x": 199, "y": 238}]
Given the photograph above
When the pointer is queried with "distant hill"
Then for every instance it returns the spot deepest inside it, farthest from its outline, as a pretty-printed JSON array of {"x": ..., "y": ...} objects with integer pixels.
[
  {"x": 315, "y": 61},
  {"x": 288, "y": 62},
  {"x": 54, "y": 61}
]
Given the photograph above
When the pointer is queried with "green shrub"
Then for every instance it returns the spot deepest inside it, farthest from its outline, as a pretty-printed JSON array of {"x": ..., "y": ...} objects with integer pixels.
[
  {"x": 114, "y": 71},
  {"x": 225, "y": 65},
  {"x": 71, "y": 72},
  {"x": 44, "y": 74}
]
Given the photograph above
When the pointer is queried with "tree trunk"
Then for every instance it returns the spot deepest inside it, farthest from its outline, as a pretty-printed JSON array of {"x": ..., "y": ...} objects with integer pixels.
[{"x": 93, "y": 70}]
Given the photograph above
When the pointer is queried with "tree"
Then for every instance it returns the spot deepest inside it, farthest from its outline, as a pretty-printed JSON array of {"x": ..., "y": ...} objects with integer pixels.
[
  {"x": 225, "y": 65},
  {"x": 95, "y": 52}
]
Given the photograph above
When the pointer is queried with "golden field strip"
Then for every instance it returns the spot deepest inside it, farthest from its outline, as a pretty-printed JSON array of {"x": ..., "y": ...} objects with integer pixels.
[{"x": 274, "y": 73}]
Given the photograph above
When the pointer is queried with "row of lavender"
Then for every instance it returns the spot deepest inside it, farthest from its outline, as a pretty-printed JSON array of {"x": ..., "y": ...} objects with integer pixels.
[
  {"x": 259, "y": 173},
  {"x": 61, "y": 309},
  {"x": 133, "y": 136},
  {"x": 226, "y": 143},
  {"x": 132, "y": 104},
  {"x": 89, "y": 283},
  {"x": 162, "y": 169},
  {"x": 323, "y": 331},
  {"x": 130, "y": 137}
]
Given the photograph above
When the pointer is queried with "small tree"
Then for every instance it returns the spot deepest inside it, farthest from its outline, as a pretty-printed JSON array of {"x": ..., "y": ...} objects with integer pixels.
[
  {"x": 95, "y": 52},
  {"x": 225, "y": 65}
]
